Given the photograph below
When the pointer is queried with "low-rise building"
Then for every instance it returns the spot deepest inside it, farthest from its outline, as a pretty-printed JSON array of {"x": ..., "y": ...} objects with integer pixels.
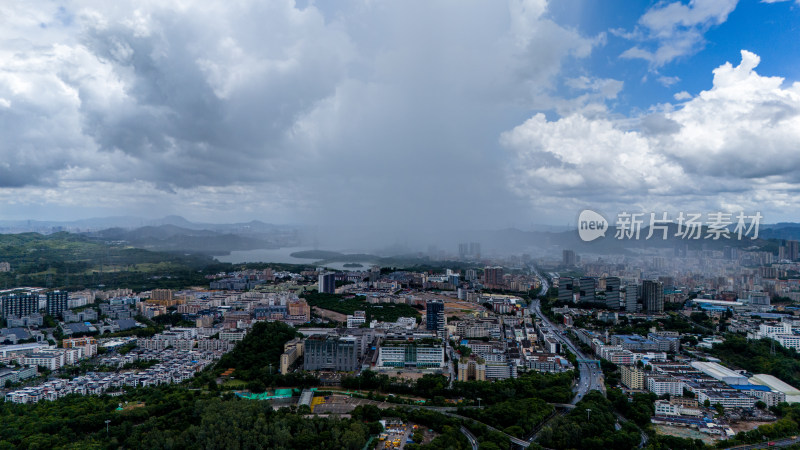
[
  {"x": 665, "y": 385},
  {"x": 331, "y": 353},
  {"x": 728, "y": 399},
  {"x": 232, "y": 335},
  {"x": 292, "y": 351},
  {"x": 421, "y": 354},
  {"x": 357, "y": 319},
  {"x": 472, "y": 369},
  {"x": 665, "y": 408},
  {"x": 764, "y": 393}
]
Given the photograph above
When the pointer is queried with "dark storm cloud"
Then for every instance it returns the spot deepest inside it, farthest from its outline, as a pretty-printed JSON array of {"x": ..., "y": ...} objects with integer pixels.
[{"x": 209, "y": 98}]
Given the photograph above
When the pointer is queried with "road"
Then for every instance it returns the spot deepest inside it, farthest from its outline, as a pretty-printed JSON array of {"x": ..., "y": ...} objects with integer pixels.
[
  {"x": 591, "y": 377},
  {"x": 643, "y": 436},
  {"x": 776, "y": 443},
  {"x": 470, "y": 437}
]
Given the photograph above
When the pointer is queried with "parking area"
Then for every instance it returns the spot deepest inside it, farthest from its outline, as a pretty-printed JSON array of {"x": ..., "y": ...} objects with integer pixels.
[
  {"x": 395, "y": 435},
  {"x": 343, "y": 404}
]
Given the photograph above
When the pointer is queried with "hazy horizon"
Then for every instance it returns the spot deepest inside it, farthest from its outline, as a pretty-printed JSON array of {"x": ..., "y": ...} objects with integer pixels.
[{"x": 394, "y": 122}]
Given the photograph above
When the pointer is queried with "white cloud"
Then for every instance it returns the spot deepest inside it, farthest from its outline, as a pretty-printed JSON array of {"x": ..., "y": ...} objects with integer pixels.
[
  {"x": 734, "y": 144},
  {"x": 673, "y": 30},
  {"x": 745, "y": 126},
  {"x": 682, "y": 95},
  {"x": 668, "y": 81}
]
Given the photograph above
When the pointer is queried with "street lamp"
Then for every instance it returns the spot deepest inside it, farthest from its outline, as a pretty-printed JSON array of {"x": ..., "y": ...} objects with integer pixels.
[
  {"x": 479, "y": 403},
  {"x": 588, "y": 412},
  {"x": 107, "y": 422}
]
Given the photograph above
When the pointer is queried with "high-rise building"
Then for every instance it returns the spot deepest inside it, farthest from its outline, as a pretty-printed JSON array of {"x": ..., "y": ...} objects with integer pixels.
[
  {"x": 19, "y": 305},
  {"x": 631, "y": 297},
  {"x": 57, "y": 303},
  {"x": 632, "y": 377},
  {"x": 565, "y": 289},
  {"x": 434, "y": 315},
  {"x": 469, "y": 250},
  {"x": 612, "y": 293},
  {"x": 327, "y": 283},
  {"x": 793, "y": 249},
  {"x": 569, "y": 258},
  {"x": 374, "y": 274},
  {"x": 653, "y": 296},
  {"x": 161, "y": 295},
  {"x": 789, "y": 250},
  {"x": 493, "y": 276},
  {"x": 587, "y": 289},
  {"x": 475, "y": 249}
]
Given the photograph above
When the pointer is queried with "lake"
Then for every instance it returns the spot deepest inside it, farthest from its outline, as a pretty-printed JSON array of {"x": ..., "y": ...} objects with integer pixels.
[{"x": 283, "y": 255}]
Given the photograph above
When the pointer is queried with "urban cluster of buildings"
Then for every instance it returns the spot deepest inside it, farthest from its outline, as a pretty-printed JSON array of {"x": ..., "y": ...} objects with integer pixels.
[
  {"x": 499, "y": 346},
  {"x": 652, "y": 363},
  {"x": 629, "y": 349},
  {"x": 185, "y": 354},
  {"x": 26, "y": 302},
  {"x": 43, "y": 354},
  {"x": 649, "y": 296},
  {"x": 174, "y": 367},
  {"x": 466, "y": 286}
]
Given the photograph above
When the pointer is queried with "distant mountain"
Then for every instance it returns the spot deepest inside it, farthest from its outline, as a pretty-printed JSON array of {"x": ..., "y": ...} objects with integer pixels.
[
  {"x": 784, "y": 230},
  {"x": 170, "y": 233},
  {"x": 514, "y": 241},
  {"x": 127, "y": 222},
  {"x": 254, "y": 226},
  {"x": 176, "y": 239},
  {"x": 54, "y": 226}
]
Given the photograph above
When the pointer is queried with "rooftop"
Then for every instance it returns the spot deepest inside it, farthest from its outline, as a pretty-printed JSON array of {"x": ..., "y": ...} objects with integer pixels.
[{"x": 774, "y": 383}]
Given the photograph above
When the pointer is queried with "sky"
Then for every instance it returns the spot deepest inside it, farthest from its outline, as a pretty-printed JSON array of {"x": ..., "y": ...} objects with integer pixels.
[{"x": 398, "y": 116}]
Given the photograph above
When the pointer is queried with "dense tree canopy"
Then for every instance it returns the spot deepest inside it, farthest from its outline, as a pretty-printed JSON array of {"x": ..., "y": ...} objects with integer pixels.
[
  {"x": 593, "y": 429},
  {"x": 515, "y": 417},
  {"x": 386, "y": 312},
  {"x": 756, "y": 356},
  {"x": 171, "y": 417},
  {"x": 261, "y": 348}
]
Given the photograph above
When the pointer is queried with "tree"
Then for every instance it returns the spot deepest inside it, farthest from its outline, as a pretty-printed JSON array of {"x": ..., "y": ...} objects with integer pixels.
[
  {"x": 366, "y": 413},
  {"x": 761, "y": 405},
  {"x": 707, "y": 403},
  {"x": 256, "y": 386}
]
